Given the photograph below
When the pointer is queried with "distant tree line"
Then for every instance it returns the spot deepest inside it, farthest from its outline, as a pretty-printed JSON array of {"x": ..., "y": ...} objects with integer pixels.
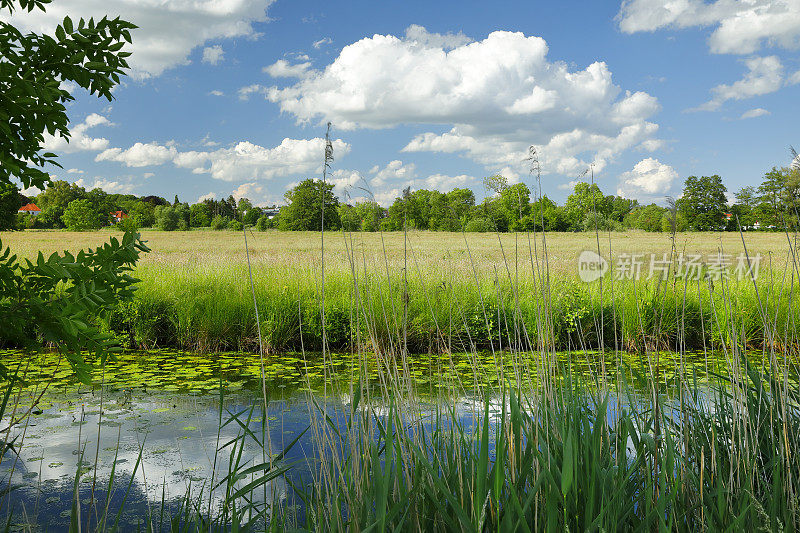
[{"x": 703, "y": 206}]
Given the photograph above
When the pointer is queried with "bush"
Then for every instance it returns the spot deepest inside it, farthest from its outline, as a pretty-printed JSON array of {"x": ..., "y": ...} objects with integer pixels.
[
  {"x": 219, "y": 222},
  {"x": 80, "y": 215},
  {"x": 128, "y": 224},
  {"x": 263, "y": 223},
  {"x": 478, "y": 225},
  {"x": 235, "y": 225},
  {"x": 167, "y": 218},
  {"x": 603, "y": 223}
]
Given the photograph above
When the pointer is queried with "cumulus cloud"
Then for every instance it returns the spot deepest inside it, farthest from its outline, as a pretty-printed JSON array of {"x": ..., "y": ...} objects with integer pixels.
[
  {"x": 216, "y": 92},
  {"x": 386, "y": 183},
  {"x": 240, "y": 162},
  {"x": 283, "y": 69},
  {"x": 649, "y": 179},
  {"x": 394, "y": 171},
  {"x": 497, "y": 96},
  {"x": 204, "y": 197},
  {"x": 764, "y": 75},
  {"x": 79, "y": 141},
  {"x": 114, "y": 187},
  {"x": 739, "y": 27},
  {"x": 213, "y": 54},
  {"x": 753, "y": 113},
  {"x": 247, "y": 190},
  {"x": 168, "y": 29},
  {"x": 139, "y": 155}
]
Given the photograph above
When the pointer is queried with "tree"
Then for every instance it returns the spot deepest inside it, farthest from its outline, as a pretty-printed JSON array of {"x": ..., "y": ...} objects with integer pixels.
[
  {"x": 167, "y": 218},
  {"x": 32, "y": 96},
  {"x": 704, "y": 203},
  {"x": 304, "y": 212},
  {"x": 57, "y": 300},
  {"x": 55, "y": 198},
  {"x": 80, "y": 215},
  {"x": 9, "y": 205},
  {"x": 143, "y": 213},
  {"x": 770, "y": 193},
  {"x": 199, "y": 215}
]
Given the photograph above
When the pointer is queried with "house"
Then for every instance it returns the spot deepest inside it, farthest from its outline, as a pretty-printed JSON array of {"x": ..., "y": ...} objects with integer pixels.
[
  {"x": 728, "y": 216},
  {"x": 118, "y": 216},
  {"x": 29, "y": 209}
]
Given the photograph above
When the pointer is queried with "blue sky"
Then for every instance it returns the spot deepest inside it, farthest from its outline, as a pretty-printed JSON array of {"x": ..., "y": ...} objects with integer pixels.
[{"x": 232, "y": 96}]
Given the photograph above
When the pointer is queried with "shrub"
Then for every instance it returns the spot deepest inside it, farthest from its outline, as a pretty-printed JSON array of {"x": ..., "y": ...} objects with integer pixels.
[
  {"x": 219, "y": 222},
  {"x": 167, "y": 218},
  {"x": 81, "y": 216},
  {"x": 478, "y": 225},
  {"x": 263, "y": 223},
  {"x": 128, "y": 224},
  {"x": 235, "y": 225}
]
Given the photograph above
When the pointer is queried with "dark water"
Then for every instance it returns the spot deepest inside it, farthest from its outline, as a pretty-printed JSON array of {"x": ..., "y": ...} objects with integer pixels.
[{"x": 165, "y": 410}]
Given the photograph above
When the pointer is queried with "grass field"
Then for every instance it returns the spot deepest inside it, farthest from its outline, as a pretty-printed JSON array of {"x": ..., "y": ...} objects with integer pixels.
[
  {"x": 213, "y": 250},
  {"x": 441, "y": 291}
]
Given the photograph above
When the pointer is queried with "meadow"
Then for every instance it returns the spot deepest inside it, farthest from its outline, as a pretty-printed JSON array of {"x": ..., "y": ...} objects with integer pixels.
[
  {"x": 453, "y": 292},
  {"x": 438, "y": 382}
]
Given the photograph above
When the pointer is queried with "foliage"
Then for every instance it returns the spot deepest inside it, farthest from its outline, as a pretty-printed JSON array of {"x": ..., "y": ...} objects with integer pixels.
[
  {"x": 199, "y": 215},
  {"x": 128, "y": 225},
  {"x": 80, "y": 215},
  {"x": 304, "y": 209},
  {"x": 478, "y": 225},
  {"x": 704, "y": 203},
  {"x": 235, "y": 225},
  {"x": 263, "y": 223},
  {"x": 167, "y": 218},
  {"x": 34, "y": 70},
  {"x": 9, "y": 205},
  {"x": 57, "y": 299},
  {"x": 219, "y": 223}
]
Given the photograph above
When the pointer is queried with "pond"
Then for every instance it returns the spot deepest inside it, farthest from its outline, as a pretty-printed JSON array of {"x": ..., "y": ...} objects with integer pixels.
[{"x": 156, "y": 420}]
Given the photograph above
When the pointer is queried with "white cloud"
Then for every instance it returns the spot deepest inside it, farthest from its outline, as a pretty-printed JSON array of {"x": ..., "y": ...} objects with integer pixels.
[
  {"x": 139, "y": 155},
  {"x": 209, "y": 196},
  {"x": 283, "y": 69},
  {"x": 241, "y": 162},
  {"x": 213, "y": 54},
  {"x": 394, "y": 171},
  {"x": 79, "y": 141},
  {"x": 753, "y": 113},
  {"x": 649, "y": 179},
  {"x": 114, "y": 187},
  {"x": 248, "y": 190},
  {"x": 245, "y": 92},
  {"x": 794, "y": 79},
  {"x": 322, "y": 42},
  {"x": 764, "y": 75},
  {"x": 498, "y": 96},
  {"x": 168, "y": 29},
  {"x": 739, "y": 26},
  {"x": 216, "y": 92},
  {"x": 75, "y": 171}
]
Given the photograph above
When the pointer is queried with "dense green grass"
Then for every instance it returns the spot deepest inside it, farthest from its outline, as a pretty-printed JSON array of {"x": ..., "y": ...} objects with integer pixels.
[{"x": 213, "y": 310}]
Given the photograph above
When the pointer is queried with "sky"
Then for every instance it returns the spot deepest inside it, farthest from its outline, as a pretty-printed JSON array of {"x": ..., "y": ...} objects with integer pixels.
[{"x": 232, "y": 97}]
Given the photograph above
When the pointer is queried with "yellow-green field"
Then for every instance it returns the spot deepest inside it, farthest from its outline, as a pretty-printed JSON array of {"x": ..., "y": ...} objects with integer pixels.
[{"x": 430, "y": 251}]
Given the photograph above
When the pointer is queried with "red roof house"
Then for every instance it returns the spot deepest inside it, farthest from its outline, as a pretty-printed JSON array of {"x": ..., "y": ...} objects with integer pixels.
[
  {"x": 118, "y": 216},
  {"x": 29, "y": 209}
]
